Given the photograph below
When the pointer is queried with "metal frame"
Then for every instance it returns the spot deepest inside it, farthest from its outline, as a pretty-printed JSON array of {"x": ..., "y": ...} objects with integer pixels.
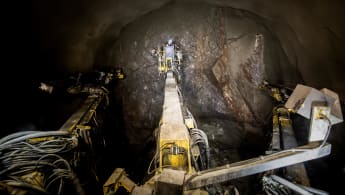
[
  {"x": 84, "y": 114},
  {"x": 257, "y": 165}
]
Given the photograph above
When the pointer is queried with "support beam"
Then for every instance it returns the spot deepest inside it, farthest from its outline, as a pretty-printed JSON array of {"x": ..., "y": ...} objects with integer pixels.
[
  {"x": 257, "y": 165},
  {"x": 84, "y": 114}
]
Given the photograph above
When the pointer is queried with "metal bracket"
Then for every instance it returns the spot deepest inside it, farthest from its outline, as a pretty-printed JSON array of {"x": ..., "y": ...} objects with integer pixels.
[{"x": 117, "y": 179}]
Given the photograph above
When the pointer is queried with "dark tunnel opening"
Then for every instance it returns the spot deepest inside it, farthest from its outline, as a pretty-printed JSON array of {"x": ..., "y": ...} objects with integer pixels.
[{"x": 228, "y": 49}]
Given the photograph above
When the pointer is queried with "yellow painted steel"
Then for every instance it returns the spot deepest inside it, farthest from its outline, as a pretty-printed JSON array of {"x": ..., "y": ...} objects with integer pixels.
[
  {"x": 285, "y": 122},
  {"x": 117, "y": 179},
  {"x": 189, "y": 123},
  {"x": 276, "y": 94},
  {"x": 162, "y": 65},
  {"x": 275, "y": 121},
  {"x": 119, "y": 74},
  {"x": 35, "y": 178},
  {"x": 173, "y": 132},
  {"x": 39, "y": 139},
  {"x": 84, "y": 114},
  {"x": 169, "y": 63},
  {"x": 177, "y": 160}
]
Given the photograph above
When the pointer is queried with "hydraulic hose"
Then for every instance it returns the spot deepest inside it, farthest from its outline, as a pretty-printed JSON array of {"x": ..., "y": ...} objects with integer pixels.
[{"x": 203, "y": 135}]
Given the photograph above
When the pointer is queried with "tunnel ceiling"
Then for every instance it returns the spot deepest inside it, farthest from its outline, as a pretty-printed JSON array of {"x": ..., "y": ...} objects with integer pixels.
[{"x": 79, "y": 35}]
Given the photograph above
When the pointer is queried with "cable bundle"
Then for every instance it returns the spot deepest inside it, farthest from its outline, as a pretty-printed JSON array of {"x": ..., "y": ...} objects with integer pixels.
[
  {"x": 32, "y": 161},
  {"x": 199, "y": 137}
]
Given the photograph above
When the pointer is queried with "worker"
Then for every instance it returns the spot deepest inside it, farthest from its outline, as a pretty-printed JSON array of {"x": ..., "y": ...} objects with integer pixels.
[{"x": 170, "y": 54}]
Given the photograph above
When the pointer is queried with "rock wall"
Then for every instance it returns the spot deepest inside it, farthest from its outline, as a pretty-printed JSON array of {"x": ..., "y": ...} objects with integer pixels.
[{"x": 227, "y": 54}]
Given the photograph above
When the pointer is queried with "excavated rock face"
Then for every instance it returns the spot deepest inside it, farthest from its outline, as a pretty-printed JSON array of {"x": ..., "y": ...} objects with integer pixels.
[{"x": 226, "y": 56}]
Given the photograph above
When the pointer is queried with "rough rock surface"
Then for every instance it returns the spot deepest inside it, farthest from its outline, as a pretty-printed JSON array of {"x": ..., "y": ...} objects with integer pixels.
[
  {"x": 222, "y": 68},
  {"x": 77, "y": 36}
]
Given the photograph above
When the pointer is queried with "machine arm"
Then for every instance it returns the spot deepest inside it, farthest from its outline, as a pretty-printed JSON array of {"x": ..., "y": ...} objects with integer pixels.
[
  {"x": 257, "y": 165},
  {"x": 117, "y": 179}
]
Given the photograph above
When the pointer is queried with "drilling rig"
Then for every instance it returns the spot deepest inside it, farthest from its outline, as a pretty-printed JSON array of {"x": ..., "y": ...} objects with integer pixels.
[{"x": 181, "y": 162}]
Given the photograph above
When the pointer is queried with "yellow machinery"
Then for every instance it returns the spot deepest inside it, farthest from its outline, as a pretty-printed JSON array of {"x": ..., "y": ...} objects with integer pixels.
[
  {"x": 46, "y": 164},
  {"x": 169, "y": 62},
  {"x": 40, "y": 162},
  {"x": 173, "y": 152},
  {"x": 119, "y": 74},
  {"x": 174, "y": 138},
  {"x": 162, "y": 64},
  {"x": 174, "y": 166},
  {"x": 169, "y": 58}
]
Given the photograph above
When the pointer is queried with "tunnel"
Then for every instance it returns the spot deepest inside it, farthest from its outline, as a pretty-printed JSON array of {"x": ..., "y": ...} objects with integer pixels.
[{"x": 229, "y": 48}]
